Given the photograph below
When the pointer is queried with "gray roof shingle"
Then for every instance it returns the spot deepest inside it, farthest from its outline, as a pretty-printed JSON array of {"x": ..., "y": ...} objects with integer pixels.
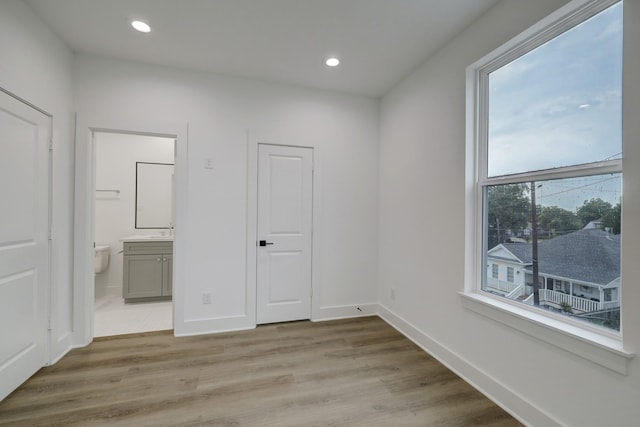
[{"x": 586, "y": 255}]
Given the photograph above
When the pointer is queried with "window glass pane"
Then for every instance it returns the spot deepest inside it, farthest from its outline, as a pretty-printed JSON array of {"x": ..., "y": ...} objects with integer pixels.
[
  {"x": 561, "y": 103},
  {"x": 573, "y": 233}
]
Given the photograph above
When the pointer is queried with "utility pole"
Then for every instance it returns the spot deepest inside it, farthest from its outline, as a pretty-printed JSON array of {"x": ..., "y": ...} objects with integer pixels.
[{"x": 534, "y": 245}]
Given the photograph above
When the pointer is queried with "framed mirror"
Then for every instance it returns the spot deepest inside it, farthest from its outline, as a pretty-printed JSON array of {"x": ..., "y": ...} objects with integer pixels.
[{"x": 154, "y": 195}]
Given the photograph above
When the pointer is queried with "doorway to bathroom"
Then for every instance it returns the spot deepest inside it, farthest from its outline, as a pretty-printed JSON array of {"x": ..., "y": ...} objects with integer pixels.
[{"x": 133, "y": 233}]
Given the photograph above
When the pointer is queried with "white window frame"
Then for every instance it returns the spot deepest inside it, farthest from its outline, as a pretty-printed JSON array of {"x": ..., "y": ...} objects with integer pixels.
[
  {"x": 590, "y": 342},
  {"x": 495, "y": 271},
  {"x": 510, "y": 274}
]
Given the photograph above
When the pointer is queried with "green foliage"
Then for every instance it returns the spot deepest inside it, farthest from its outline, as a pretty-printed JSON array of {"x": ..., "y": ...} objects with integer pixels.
[
  {"x": 556, "y": 220},
  {"x": 509, "y": 208},
  {"x": 592, "y": 210},
  {"x": 566, "y": 307},
  {"x": 599, "y": 209},
  {"x": 611, "y": 219}
]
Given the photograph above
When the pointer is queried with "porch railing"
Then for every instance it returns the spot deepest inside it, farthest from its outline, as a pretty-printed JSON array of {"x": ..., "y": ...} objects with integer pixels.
[
  {"x": 576, "y": 303},
  {"x": 610, "y": 304},
  {"x": 501, "y": 285},
  {"x": 517, "y": 292}
]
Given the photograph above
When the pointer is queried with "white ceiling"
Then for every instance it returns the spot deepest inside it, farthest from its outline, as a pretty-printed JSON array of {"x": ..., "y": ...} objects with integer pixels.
[{"x": 378, "y": 41}]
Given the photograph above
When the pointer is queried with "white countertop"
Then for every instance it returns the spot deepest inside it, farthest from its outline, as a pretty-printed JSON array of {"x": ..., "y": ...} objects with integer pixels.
[{"x": 147, "y": 238}]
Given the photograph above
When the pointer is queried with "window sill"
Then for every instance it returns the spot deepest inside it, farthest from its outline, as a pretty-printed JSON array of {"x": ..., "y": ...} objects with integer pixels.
[{"x": 604, "y": 351}]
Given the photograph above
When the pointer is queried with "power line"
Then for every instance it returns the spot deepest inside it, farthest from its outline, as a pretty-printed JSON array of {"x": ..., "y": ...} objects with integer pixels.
[
  {"x": 613, "y": 156},
  {"x": 581, "y": 186}
]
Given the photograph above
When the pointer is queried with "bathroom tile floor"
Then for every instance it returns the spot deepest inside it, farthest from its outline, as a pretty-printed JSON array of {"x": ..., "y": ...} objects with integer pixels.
[{"x": 113, "y": 317}]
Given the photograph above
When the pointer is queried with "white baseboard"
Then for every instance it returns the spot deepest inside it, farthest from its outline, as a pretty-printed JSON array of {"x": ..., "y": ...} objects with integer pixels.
[
  {"x": 344, "y": 312},
  {"x": 212, "y": 326},
  {"x": 60, "y": 348},
  {"x": 239, "y": 323},
  {"x": 107, "y": 291},
  {"x": 504, "y": 397}
]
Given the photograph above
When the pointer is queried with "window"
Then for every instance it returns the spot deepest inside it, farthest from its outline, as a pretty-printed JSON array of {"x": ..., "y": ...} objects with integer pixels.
[
  {"x": 607, "y": 295},
  {"x": 510, "y": 274},
  {"x": 547, "y": 160},
  {"x": 494, "y": 271}
]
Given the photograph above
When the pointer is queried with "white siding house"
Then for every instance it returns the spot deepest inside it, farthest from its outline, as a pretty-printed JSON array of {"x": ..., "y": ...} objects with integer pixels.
[{"x": 579, "y": 273}]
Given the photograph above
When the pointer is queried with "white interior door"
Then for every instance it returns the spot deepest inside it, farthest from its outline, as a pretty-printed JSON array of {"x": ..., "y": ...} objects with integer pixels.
[
  {"x": 285, "y": 185},
  {"x": 24, "y": 245}
]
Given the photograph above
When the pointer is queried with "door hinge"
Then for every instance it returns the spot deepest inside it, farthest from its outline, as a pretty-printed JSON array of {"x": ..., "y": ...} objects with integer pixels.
[
  {"x": 311, "y": 291},
  {"x": 50, "y": 327}
]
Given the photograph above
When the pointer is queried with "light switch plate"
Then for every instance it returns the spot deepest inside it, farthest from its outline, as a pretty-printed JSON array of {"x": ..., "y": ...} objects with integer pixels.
[{"x": 206, "y": 297}]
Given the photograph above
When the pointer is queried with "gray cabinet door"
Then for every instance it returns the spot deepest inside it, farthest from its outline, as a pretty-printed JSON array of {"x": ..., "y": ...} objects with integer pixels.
[
  {"x": 167, "y": 274},
  {"x": 142, "y": 274}
]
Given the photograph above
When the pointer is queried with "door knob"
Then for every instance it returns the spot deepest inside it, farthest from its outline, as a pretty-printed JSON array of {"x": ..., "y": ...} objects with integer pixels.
[{"x": 265, "y": 243}]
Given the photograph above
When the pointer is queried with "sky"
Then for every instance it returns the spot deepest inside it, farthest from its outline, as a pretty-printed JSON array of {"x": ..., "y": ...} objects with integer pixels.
[{"x": 561, "y": 105}]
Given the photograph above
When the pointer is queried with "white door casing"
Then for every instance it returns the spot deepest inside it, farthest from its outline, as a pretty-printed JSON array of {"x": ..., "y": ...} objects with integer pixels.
[
  {"x": 285, "y": 202},
  {"x": 84, "y": 210},
  {"x": 25, "y": 140}
]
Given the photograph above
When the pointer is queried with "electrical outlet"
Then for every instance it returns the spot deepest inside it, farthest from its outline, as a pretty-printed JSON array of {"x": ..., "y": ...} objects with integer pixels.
[
  {"x": 393, "y": 293},
  {"x": 206, "y": 297}
]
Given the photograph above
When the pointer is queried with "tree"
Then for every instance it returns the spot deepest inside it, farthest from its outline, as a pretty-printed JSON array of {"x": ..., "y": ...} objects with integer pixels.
[
  {"x": 611, "y": 219},
  {"x": 509, "y": 208},
  {"x": 556, "y": 220},
  {"x": 592, "y": 209}
]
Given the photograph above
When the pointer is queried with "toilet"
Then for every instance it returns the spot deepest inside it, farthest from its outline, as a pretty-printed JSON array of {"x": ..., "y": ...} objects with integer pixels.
[{"x": 101, "y": 258}]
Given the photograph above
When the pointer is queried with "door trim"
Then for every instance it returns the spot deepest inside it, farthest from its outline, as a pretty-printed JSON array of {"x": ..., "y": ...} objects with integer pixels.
[
  {"x": 253, "y": 140},
  {"x": 84, "y": 213}
]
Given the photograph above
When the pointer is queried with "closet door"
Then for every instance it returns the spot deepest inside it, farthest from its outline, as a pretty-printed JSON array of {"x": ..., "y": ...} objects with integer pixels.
[
  {"x": 285, "y": 197},
  {"x": 24, "y": 241}
]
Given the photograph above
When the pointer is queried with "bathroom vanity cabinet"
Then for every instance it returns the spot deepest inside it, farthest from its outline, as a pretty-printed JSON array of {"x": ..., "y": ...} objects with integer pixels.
[{"x": 147, "y": 270}]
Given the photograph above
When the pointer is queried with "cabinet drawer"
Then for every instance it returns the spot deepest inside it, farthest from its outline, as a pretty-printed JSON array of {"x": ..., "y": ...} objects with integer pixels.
[{"x": 148, "y": 248}]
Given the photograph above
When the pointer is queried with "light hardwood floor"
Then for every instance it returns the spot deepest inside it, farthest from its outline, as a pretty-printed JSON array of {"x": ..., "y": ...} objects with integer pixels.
[{"x": 355, "y": 372}]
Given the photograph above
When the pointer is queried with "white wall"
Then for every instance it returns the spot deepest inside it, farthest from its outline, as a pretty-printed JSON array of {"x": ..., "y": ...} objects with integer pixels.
[
  {"x": 36, "y": 66},
  {"x": 219, "y": 111},
  {"x": 421, "y": 199},
  {"x": 116, "y": 157},
  {"x": 422, "y": 194}
]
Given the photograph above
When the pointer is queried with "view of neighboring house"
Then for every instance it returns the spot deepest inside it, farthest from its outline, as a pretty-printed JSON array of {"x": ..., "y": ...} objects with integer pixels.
[{"x": 579, "y": 273}]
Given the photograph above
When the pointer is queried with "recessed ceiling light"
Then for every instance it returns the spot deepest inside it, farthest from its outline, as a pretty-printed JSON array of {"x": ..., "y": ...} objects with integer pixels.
[
  {"x": 333, "y": 62},
  {"x": 143, "y": 27}
]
